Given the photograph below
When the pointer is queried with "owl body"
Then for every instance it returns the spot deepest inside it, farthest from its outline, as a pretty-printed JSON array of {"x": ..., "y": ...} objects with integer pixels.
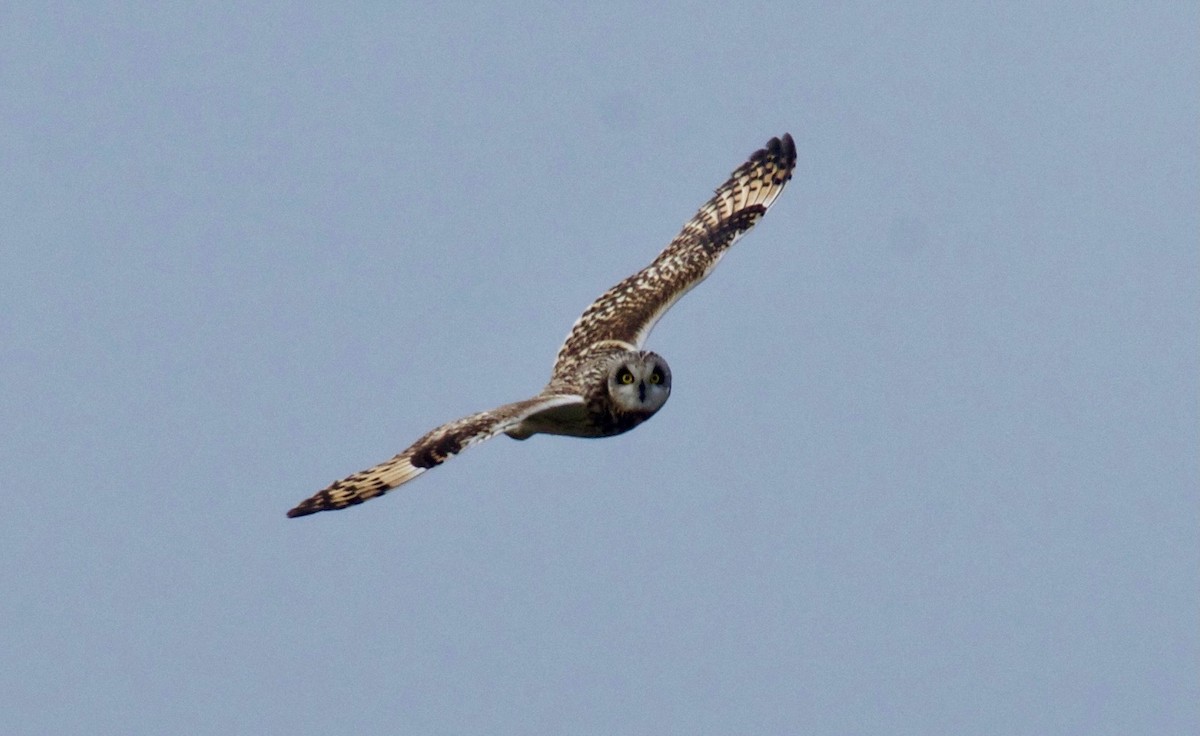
[
  {"x": 620, "y": 389},
  {"x": 603, "y": 382}
]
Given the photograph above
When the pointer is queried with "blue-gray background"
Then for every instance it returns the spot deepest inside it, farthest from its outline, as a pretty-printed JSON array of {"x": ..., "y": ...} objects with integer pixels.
[{"x": 930, "y": 465}]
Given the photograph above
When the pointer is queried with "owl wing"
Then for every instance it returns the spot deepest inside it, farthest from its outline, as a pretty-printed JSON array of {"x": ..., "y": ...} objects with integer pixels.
[
  {"x": 626, "y": 313},
  {"x": 433, "y": 449}
]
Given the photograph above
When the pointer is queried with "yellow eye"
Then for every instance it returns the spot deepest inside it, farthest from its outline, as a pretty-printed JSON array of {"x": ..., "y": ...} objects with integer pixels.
[
  {"x": 626, "y": 377},
  {"x": 655, "y": 377}
]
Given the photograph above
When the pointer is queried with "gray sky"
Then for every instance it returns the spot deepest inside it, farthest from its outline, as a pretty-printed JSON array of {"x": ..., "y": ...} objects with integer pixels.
[{"x": 930, "y": 464}]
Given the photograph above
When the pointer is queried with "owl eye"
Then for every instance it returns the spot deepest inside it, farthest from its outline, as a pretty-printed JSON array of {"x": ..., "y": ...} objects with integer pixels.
[
  {"x": 656, "y": 376},
  {"x": 625, "y": 377}
]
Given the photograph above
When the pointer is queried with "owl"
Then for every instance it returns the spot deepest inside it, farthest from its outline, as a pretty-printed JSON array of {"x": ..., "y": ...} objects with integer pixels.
[{"x": 603, "y": 382}]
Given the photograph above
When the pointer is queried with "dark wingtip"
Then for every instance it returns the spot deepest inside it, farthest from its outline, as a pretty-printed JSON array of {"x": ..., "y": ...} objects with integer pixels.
[
  {"x": 789, "y": 148},
  {"x": 308, "y": 506},
  {"x": 781, "y": 149}
]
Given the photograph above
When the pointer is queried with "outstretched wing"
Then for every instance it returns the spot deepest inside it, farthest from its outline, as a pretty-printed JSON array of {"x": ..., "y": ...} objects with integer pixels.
[
  {"x": 432, "y": 450},
  {"x": 627, "y": 312}
]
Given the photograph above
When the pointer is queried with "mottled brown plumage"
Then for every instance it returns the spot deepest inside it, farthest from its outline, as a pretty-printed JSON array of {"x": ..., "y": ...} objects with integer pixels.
[
  {"x": 628, "y": 311},
  {"x": 603, "y": 383}
]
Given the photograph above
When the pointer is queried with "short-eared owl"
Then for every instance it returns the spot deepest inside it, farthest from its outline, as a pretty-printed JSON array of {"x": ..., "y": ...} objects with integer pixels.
[{"x": 603, "y": 382}]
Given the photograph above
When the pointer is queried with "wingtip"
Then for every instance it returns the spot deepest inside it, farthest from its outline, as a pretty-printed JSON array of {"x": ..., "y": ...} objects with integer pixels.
[
  {"x": 781, "y": 149},
  {"x": 310, "y": 506},
  {"x": 789, "y": 146},
  {"x": 784, "y": 149}
]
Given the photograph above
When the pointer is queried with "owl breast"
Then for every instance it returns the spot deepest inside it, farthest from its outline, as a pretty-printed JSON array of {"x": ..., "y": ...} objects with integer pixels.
[
  {"x": 600, "y": 413},
  {"x": 590, "y": 419},
  {"x": 607, "y": 420}
]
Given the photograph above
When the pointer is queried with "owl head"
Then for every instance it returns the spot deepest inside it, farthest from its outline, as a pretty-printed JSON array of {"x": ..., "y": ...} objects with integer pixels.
[{"x": 639, "y": 382}]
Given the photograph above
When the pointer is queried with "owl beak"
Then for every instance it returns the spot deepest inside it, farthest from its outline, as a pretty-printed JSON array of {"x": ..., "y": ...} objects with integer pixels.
[{"x": 642, "y": 391}]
